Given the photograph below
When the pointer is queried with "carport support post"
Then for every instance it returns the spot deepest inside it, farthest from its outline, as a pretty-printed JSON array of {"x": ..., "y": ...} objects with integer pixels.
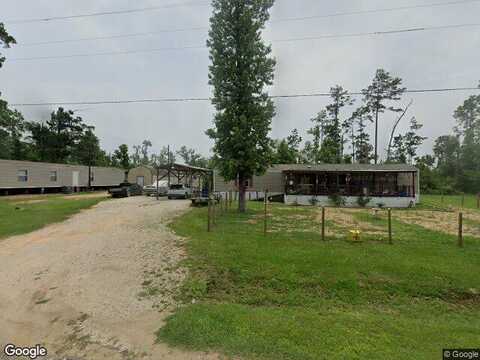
[
  {"x": 323, "y": 223},
  {"x": 460, "y": 229},
  {"x": 390, "y": 238}
]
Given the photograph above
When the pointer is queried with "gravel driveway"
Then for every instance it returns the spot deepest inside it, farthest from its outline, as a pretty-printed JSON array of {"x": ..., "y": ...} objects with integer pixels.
[{"x": 96, "y": 286}]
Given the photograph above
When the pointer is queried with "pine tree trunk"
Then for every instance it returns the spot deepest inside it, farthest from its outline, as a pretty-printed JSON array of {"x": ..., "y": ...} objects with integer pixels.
[
  {"x": 376, "y": 136},
  {"x": 242, "y": 203}
]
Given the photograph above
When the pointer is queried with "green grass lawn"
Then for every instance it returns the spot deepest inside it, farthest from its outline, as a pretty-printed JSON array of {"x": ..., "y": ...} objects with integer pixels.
[
  {"x": 291, "y": 296},
  {"x": 438, "y": 201},
  {"x": 23, "y": 215}
]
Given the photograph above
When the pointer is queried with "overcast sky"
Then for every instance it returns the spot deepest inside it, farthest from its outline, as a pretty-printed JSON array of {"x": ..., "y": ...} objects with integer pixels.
[{"x": 430, "y": 59}]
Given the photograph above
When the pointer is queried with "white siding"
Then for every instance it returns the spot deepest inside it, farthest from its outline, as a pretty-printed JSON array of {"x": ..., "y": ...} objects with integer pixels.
[{"x": 39, "y": 175}]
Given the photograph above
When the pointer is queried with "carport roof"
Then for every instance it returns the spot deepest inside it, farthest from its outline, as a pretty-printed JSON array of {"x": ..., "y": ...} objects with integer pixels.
[{"x": 185, "y": 167}]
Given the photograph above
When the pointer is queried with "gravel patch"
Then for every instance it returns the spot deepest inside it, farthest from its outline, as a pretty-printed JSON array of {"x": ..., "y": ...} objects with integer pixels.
[{"x": 96, "y": 286}]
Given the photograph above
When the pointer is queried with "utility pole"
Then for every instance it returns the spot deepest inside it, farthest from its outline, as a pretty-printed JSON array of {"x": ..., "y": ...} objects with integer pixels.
[
  {"x": 169, "y": 166},
  {"x": 158, "y": 175}
]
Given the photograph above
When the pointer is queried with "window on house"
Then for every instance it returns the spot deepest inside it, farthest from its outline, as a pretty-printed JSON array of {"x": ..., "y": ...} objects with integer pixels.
[
  {"x": 22, "y": 175},
  {"x": 53, "y": 176}
]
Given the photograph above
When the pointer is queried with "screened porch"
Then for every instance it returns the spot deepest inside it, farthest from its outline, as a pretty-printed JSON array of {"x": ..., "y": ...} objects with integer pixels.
[{"x": 373, "y": 184}]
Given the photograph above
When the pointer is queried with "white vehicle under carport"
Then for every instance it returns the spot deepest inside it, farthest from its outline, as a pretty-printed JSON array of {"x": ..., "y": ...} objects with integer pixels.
[
  {"x": 179, "y": 191},
  {"x": 151, "y": 190}
]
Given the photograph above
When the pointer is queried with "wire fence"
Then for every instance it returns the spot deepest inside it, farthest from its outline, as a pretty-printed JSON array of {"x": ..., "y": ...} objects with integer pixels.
[{"x": 451, "y": 221}]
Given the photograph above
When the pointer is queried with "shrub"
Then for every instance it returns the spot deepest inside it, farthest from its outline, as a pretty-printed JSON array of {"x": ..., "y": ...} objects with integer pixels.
[
  {"x": 363, "y": 200},
  {"x": 337, "y": 200}
]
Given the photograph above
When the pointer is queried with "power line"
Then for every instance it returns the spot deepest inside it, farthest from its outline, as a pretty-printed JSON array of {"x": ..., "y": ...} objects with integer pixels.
[
  {"x": 318, "y": 37},
  {"x": 373, "y": 33},
  {"x": 105, "y": 13},
  {"x": 204, "y": 99},
  {"x": 198, "y": 28},
  {"x": 373, "y": 11},
  {"x": 108, "y": 37}
]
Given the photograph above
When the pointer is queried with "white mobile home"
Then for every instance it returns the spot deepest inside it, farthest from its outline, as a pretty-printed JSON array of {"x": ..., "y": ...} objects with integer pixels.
[
  {"x": 28, "y": 176},
  {"x": 389, "y": 185}
]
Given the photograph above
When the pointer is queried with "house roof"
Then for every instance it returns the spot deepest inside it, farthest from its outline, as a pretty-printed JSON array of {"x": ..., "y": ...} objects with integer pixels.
[{"x": 346, "y": 168}]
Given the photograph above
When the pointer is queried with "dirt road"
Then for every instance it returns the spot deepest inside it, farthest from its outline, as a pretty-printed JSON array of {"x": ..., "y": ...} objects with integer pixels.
[{"x": 96, "y": 286}]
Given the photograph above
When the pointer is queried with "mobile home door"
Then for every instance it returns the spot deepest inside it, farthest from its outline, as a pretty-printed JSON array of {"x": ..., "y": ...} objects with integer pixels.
[{"x": 75, "y": 177}]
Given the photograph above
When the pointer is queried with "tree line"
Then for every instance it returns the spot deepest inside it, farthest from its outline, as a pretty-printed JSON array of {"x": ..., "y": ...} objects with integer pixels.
[
  {"x": 339, "y": 137},
  {"x": 67, "y": 139},
  {"x": 241, "y": 70}
]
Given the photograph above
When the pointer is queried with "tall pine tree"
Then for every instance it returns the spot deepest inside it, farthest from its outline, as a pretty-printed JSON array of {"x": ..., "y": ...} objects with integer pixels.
[{"x": 240, "y": 71}]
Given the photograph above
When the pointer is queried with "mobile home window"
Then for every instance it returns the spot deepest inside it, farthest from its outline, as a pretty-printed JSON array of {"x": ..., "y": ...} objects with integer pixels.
[
  {"x": 53, "y": 176},
  {"x": 22, "y": 175}
]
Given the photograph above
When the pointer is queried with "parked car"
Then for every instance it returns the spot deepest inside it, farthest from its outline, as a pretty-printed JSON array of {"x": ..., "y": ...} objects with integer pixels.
[
  {"x": 151, "y": 190},
  {"x": 179, "y": 191},
  {"x": 125, "y": 190}
]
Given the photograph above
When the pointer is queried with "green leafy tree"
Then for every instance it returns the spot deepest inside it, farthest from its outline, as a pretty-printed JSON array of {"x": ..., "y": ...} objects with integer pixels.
[
  {"x": 467, "y": 116},
  {"x": 240, "y": 71},
  {"x": 192, "y": 158},
  {"x": 384, "y": 89},
  {"x": 447, "y": 152},
  {"x": 88, "y": 151},
  {"x": 430, "y": 180},
  {"x": 56, "y": 140},
  {"x": 11, "y": 121},
  {"x": 317, "y": 131},
  {"x": 287, "y": 151},
  {"x": 332, "y": 145},
  {"x": 12, "y": 127},
  {"x": 5, "y": 41},
  {"x": 141, "y": 155},
  {"x": 361, "y": 142},
  {"x": 164, "y": 157},
  {"x": 122, "y": 158},
  {"x": 405, "y": 146}
]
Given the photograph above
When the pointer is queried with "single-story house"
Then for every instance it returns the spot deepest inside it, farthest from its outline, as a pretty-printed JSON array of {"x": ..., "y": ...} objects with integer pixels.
[
  {"x": 28, "y": 176},
  {"x": 388, "y": 185}
]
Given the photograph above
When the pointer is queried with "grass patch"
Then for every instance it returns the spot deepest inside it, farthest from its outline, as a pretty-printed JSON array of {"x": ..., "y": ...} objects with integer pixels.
[
  {"x": 291, "y": 296},
  {"x": 440, "y": 202},
  {"x": 23, "y": 216}
]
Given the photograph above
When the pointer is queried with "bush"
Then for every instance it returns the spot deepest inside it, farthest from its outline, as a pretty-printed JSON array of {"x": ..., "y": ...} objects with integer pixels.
[
  {"x": 337, "y": 199},
  {"x": 363, "y": 200}
]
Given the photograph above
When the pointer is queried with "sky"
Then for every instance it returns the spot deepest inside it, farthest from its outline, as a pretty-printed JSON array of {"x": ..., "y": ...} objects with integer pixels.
[{"x": 428, "y": 59}]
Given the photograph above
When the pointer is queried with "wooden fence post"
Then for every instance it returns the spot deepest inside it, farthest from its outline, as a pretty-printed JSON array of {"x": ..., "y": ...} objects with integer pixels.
[
  {"x": 265, "y": 213},
  {"x": 390, "y": 238},
  {"x": 209, "y": 226},
  {"x": 460, "y": 229},
  {"x": 463, "y": 200},
  {"x": 323, "y": 223},
  {"x": 214, "y": 212}
]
